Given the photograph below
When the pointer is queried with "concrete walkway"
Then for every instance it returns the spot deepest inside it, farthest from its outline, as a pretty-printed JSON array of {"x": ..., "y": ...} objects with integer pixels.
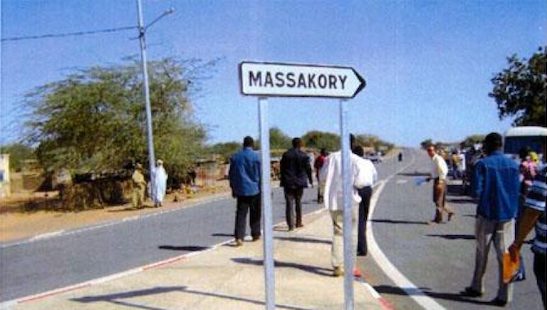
[{"x": 223, "y": 277}]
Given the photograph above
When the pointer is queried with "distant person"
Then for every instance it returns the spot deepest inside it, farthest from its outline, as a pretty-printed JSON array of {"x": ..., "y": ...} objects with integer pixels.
[
  {"x": 400, "y": 156},
  {"x": 295, "y": 174},
  {"x": 497, "y": 189},
  {"x": 160, "y": 185},
  {"x": 332, "y": 174},
  {"x": 244, "y": 178},
  {"x": 462, "y": 164},
  {"x": 370, "y": 176},
  {"x": 527, "y": 170},
  {"x": 534, "y": 215},
  {"x": 139, "y": 187},
  {"x": 318, "y": 164},
  {"x": 439, "y": 173}
]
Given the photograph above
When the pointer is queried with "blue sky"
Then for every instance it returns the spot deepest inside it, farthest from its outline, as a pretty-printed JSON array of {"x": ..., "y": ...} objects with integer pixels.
[{"x": 427, "y": 64}]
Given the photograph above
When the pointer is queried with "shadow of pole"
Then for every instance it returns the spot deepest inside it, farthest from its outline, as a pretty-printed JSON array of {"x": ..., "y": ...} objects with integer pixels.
[{"x": 115, "y": 298}]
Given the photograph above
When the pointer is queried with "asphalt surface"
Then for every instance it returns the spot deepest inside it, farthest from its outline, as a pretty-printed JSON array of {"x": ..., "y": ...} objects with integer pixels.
[
  {"x": 438, "y": 259},
  {"x": 72, "y": 258}
]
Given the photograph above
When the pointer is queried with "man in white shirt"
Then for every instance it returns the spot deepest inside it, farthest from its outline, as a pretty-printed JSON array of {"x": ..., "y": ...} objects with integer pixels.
[
  {"x": 333, "y": 200},
  {"x": 439, "y": 173}
]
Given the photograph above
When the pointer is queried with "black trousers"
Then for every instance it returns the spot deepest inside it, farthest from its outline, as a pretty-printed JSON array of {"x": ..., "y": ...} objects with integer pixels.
[
  {"x": 244, "y": 205},
  {"x": 293, "y": 202},
  {"x": 539, "y": 271},
  {"x": 365, "y": 193}
]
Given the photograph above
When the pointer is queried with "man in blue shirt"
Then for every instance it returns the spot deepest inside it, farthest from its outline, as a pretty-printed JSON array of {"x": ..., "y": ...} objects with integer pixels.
[
  {"x": 497, "y": 184},
  {"x": 244, "y": 177}
]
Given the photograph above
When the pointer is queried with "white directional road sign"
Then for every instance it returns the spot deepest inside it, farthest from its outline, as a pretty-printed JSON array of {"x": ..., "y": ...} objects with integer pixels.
[{"x": 295, "y": 80}]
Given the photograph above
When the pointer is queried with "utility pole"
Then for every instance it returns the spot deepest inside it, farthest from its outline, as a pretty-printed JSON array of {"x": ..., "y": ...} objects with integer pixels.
[{"x": 149, "y": 134}]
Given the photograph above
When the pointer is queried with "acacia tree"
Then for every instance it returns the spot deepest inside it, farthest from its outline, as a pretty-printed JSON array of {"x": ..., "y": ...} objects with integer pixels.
[
  {"x": 519, "y": 90},
  {"x": 94, "y": 119}
]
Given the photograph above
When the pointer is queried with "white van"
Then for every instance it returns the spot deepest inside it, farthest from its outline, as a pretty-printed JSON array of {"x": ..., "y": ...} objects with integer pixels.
[{"x": 516, "y": 138}]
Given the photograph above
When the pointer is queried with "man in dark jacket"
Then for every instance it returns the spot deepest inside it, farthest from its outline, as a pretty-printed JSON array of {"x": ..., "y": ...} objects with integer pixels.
[{"x": 295, "y": 174}]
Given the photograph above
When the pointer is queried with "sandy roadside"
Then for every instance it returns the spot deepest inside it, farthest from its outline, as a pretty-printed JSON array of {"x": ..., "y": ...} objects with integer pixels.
[{"x": 22, "y": 225}]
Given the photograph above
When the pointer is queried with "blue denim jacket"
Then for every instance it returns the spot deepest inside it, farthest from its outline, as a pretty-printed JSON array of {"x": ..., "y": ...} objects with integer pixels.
[
  {"x": 496, "y": 184},
  {"x": 245, "y": 173}
]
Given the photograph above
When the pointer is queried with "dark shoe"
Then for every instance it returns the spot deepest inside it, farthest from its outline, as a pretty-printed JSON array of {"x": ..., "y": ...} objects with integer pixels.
[
  {"x": 450, "y": 215},
  {"x": 470, "y": 292},
  {"x": 338, "y": 271},
  {"x": 498, "y": 302},
  {"x": 238, "y": 243},
  {"x": 256, "y": 238},
  {"x": 299, "y": 225},
  {"x": 291, "y": 229},
  {"x": 361, "y": 253}
]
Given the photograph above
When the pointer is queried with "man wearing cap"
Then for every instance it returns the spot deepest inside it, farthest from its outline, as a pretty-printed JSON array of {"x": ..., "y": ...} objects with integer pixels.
[{"x": 139, "y": 186}]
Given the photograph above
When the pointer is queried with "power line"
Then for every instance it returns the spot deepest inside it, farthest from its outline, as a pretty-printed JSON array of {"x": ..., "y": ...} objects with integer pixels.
[{"x": 69, "y": 34}]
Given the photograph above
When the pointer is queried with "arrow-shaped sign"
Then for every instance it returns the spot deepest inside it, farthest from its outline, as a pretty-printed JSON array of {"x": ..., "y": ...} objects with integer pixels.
[{"x": 295, "y": 80}]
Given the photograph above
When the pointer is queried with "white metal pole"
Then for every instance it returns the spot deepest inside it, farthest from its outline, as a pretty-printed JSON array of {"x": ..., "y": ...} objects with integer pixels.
[
  {"x": 348, "y": 212},
  {"x": 149, "y": 135},
  {"x": 266, "y": 203}
]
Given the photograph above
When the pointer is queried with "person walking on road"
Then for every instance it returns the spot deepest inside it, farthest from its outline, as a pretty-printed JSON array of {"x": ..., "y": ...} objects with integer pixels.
[
  {"x": 244, "y": 178},
  {"x": 534, "y": 215},
  {"x": 318, "y": 164},
  {"x": 332, "y": 174},
  {"x": 160, "y": 184},
  {"x": 295, "y": 174},
  {"x": 497, "y": 189},
  {"x": 370, "y": 176},
  {"x": 439, "y": 173},
  {"x": 139, "y": 187}
]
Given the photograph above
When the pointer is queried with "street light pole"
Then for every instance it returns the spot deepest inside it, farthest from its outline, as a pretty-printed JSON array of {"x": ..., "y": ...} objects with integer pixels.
[{"x": 149, "y": 135}]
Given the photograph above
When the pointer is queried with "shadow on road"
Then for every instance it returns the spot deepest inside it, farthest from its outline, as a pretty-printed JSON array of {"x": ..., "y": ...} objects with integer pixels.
[
  {"x": 222, "y": 235},
  {"x": 191, "y": 248},
  {"x": 399, "y": 222},
  {"x": 312, "y": 269},
  {"x": 414, "y": 174},
  {"x": 303, "y": 240},
  {"x": 393, "y": 290},
  {"x": 454, "y": 237}
]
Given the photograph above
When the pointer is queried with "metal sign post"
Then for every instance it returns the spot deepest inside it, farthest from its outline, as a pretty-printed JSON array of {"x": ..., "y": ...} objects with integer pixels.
[
  {"x": 297, "y": 80},
  {"x": 348, "y": 212},
  {"x": 266, "y": 202}
]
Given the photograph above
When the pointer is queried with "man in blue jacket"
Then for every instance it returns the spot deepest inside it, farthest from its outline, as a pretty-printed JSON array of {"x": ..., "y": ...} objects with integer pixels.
[
  {"x": 295, "y": 174},
  {"x": 244, "y": 177},
  {"x": 496, "y": 184}
]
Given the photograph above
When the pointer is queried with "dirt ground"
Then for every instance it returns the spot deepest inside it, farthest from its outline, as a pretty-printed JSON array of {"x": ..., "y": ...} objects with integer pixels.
[{"x": 18, "y": 222}]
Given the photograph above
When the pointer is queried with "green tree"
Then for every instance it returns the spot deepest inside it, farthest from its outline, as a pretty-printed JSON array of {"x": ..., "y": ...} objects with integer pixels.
[
  {"x": 321, "y": 139},
  {"x": 94, "y": 119},
  {"x": 18, "y": 154},
  {"x": 279, "y": 140},
  {"x": 519, "y": 90},
  {"x": 470, "y": 141},
  {"x": 225, "y": 149}
]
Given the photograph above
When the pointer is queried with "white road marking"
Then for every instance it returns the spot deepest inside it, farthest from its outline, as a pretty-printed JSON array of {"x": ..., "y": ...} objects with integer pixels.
[
  {"x": 389, "y": 269},
  {"x": 401, "y": 181}
]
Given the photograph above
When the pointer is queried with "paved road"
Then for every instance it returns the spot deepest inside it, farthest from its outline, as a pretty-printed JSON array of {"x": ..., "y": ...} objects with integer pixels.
[
  {"x": 74, "y": 258},
  {"x": 438, "y": 259}
]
